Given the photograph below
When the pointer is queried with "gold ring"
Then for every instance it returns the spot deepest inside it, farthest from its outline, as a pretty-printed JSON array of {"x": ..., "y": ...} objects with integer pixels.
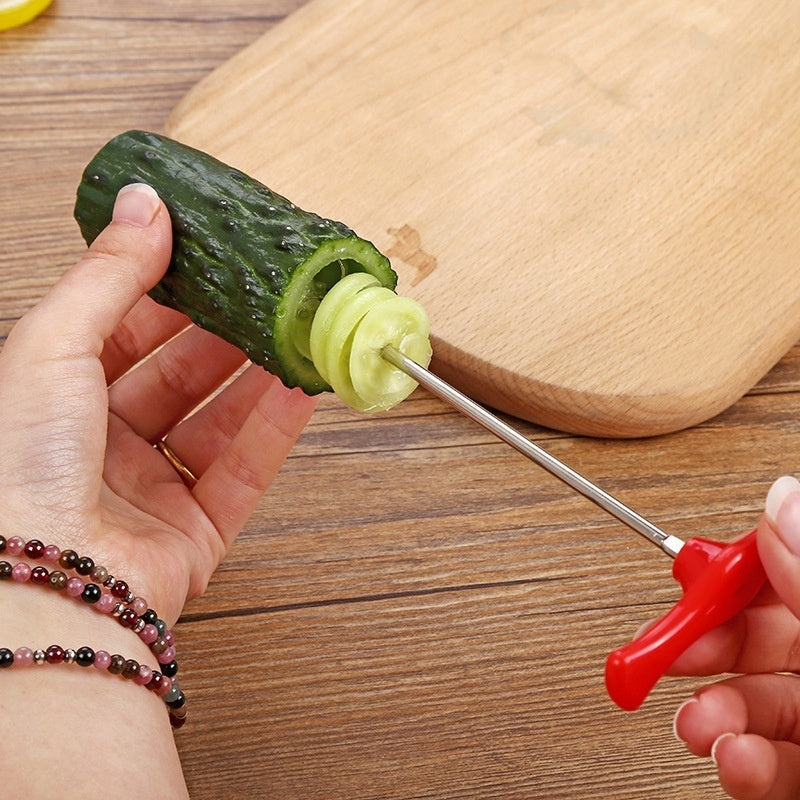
[{"x": 187, "y": 476}]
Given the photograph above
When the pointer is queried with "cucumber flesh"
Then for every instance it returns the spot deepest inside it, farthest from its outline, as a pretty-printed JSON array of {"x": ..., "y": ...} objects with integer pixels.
[
  {"x": 353, "y": 323},
  {"x": 336, "y": 352},
  {"x": 400, "y": 322},
  {"x": 324, "y": 319}
]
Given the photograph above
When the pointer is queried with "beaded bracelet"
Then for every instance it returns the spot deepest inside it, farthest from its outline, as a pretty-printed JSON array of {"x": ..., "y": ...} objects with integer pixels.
[
  {"x": 129, "y": 610},
  {"x": 143, "y": 620},
  {"x": 116, "y": 664}
]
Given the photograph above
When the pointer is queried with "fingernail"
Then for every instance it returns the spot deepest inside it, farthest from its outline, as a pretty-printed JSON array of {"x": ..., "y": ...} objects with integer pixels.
[
  {"x": 137, "y": 204},
  {"x": 689, "y": 702},
  {"x": 777, "y": 494},
  {"x": 716, "y": 744}
]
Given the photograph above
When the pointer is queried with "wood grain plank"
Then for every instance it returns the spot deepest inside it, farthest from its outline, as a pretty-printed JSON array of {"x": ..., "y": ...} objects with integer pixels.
[{"x": 431, "y": 697}]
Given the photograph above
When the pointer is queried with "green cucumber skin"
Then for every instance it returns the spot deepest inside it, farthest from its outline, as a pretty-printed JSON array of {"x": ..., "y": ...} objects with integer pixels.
[{"x": 236, "y": 243}]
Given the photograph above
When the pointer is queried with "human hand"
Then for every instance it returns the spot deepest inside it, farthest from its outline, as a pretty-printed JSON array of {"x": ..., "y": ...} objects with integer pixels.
[
  {"x": 97, "y": 373},
  {"x": 750, "y": 724}
]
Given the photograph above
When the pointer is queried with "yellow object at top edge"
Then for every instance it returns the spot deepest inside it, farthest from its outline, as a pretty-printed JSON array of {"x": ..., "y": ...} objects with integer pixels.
[{"x": 21, "y": 13}]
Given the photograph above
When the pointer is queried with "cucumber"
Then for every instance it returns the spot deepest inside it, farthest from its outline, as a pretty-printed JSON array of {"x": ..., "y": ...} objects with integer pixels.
[{"x": 247, "y": 264}]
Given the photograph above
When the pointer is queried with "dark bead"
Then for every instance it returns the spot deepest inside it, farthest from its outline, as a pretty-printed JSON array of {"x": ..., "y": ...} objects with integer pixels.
[
  {"x": 91, "y": 593},
  {"x": 99, "y": 574},
  {"x": 161, "y": 626},
  {"x": 179, "y": 701},
  {"x": 117, "y": 664},
  {"x": 170, "y": 670},
  {"x": 3, "y": 543},
  {"x": 58, "y": 580},
  {"x": 127, "y": 618},
  {"x": 159, "y": 645},
  {"x": 54, "y": 654},
  {"x": 34, "y": 549},
  {"x": 85, "y": 566},
  {"x": 131, "y": 669},
  {"x": 156, "y": 682},
  {"x": 84, "y": 656},
  {"x": 40, "y": 575},
  {"x": 68, "y": 559},
  {"x": 177, "y": 722},
  {"x": 120, "y": 589},
  {"x": 150, "y": 616},
  {"x": 6, "y": 657},
  {"x": 5, "y": 570}
]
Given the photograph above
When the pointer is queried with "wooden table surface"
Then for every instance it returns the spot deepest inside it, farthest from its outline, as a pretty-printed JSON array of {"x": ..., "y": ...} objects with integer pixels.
[{"x": 415, "y": 611}]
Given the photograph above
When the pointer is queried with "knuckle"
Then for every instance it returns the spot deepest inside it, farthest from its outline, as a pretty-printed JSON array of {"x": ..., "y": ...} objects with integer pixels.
[
  {"x": 114, "y": 264},
  {"x": 124, "y": 343},
  {"x": 109, "y": 250},
  {"x": 176, "y": 371},
  {"x": 274, "y": 424},
  {"x": 222, "y": 421},
  {"x": 243, "y": 471}
]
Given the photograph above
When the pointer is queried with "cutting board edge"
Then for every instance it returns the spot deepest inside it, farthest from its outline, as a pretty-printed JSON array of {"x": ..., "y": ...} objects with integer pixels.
[{"x": 580, "y": 410}]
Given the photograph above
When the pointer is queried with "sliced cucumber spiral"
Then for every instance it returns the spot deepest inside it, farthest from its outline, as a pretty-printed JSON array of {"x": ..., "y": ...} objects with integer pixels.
[{"x": 355, "y": 320}]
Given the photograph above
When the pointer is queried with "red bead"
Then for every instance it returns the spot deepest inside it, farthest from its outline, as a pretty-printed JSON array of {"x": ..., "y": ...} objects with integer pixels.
[
  {"x": 127, "y": 618},
  {"x": 156, "y": 682},
  {"x": 177, "y": 722},
  {"x": 54, "y": 654},
  {"x": 40, "y": 575},
  {"x": 34, "y": 549},
  {"x": 120, "y": 589}
]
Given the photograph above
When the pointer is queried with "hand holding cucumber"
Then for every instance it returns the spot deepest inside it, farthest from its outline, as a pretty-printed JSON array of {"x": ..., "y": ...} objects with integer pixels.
[{"x": 85, "y": 398}]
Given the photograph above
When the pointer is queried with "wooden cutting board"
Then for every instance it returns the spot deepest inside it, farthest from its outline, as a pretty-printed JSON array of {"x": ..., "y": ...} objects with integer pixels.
[{"x": 597, "y": 202}]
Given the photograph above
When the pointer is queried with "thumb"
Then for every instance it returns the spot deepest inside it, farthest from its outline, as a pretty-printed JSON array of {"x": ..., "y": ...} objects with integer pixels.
[
  {"x": 124, "y": 262},
  {"x": 779, "y": 540}
]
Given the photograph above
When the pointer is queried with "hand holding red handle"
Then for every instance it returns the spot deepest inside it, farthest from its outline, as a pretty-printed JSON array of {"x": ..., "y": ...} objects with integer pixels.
[{"x": 718, "y": 581}]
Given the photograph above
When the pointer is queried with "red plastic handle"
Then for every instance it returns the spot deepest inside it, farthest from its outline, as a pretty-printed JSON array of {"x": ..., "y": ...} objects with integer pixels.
[{"x": 718, "y": 581}]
